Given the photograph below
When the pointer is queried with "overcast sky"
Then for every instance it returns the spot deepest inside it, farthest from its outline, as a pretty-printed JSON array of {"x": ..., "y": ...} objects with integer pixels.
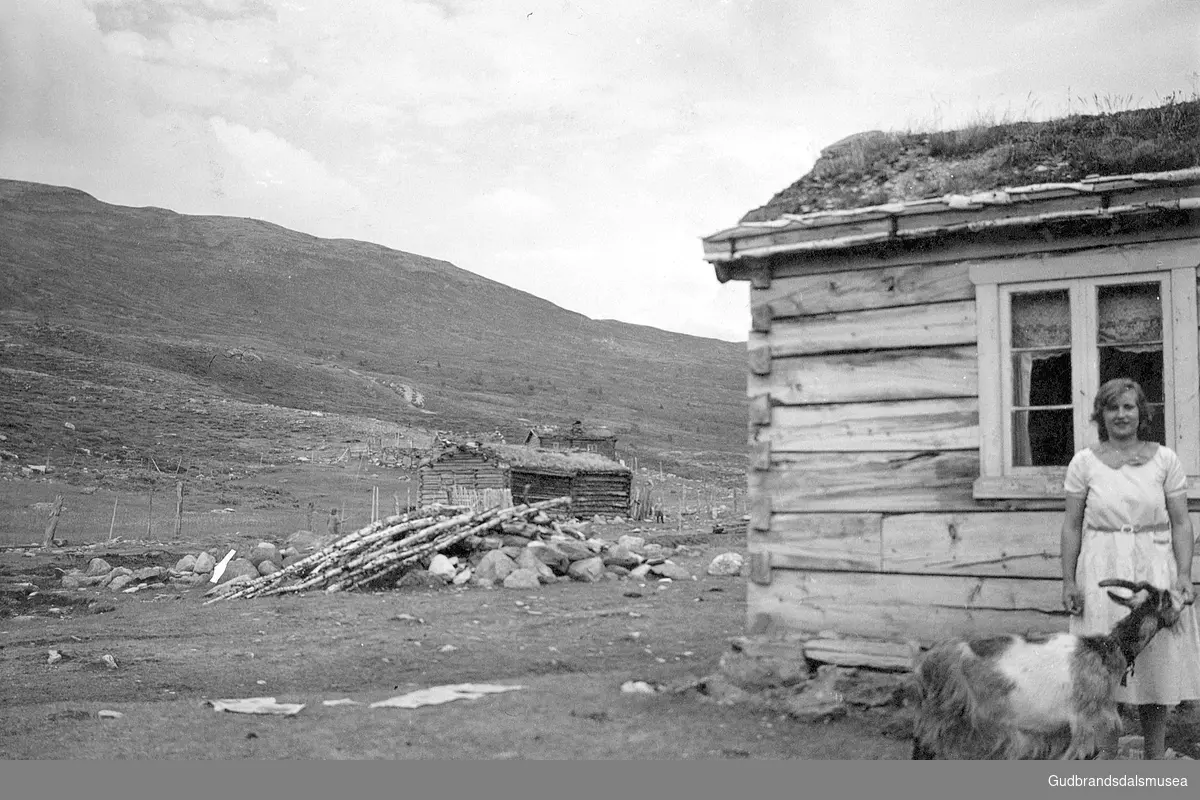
[{"x": 575, "y": 150}]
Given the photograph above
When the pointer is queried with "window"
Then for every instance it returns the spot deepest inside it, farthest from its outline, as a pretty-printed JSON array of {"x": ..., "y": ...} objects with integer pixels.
[{"x": 1053, "y": 329}]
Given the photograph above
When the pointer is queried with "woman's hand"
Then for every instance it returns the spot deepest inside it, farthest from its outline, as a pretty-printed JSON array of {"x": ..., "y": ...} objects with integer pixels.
[
  {"x": 1183, "y": 586},
  {"x": 1072, "y": 598}
]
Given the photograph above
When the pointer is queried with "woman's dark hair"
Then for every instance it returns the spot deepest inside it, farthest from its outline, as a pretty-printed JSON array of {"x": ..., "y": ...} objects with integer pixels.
[{"x": 1108, "y": 395}]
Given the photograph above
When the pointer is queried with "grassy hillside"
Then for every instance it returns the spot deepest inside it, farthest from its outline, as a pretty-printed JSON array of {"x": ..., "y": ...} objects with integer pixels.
[{"x": 131, "y": 322}]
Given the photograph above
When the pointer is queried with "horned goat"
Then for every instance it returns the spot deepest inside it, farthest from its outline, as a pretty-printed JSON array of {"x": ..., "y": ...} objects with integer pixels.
[{"x": 1032, "y": 697}]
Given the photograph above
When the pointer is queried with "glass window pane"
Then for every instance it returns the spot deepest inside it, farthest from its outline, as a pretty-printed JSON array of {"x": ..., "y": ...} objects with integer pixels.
[
  {"x": 1142, "y": 363},
  {"x": 1041, "y": 319},
  {"x": 1043, "y": 438},
  {"x": 1041, "y": 378},
  {"x": 1130, "y": 312}
]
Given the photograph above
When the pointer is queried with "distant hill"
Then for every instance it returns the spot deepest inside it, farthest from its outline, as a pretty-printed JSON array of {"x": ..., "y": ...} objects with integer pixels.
[{"x": 249, "y": 311}]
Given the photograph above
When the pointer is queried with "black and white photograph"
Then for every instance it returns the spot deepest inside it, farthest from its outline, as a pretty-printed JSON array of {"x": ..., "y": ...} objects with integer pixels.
[{"x": 560, "y": 380}]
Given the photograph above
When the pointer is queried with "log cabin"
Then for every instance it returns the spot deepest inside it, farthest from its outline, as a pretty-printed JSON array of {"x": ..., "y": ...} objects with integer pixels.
[
  {"x": 576, "y": 437},
  {"x": 929, "y": 326},
  {"x": 595, "y": 484}
]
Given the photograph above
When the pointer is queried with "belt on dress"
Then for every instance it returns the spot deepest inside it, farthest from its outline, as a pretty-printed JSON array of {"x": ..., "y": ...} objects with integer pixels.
[{"x": 1157, "y": 527}]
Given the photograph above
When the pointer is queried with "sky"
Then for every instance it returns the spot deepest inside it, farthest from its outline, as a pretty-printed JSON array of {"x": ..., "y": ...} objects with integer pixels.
[{"x": 578, "y": 151}]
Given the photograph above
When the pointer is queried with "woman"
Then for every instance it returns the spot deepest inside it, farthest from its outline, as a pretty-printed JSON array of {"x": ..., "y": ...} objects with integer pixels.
[{"x": 1127, "y": 517}]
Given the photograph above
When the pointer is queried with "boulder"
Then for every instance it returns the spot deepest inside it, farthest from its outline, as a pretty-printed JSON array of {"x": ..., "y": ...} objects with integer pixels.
[
  {"x": 527, "y": 560},
  {"x": 513, "y": 551},
  {"x": 205, "y": 564},
  {"x": 292, "y": 558},
  {"x": 640, "y": 571},
  {"x": 669, "y": 569},
  {"x": 522, "y": 579},
  {"x": 264, "y": 551},
  {"x": 572, "y": 548},
  {"x": 512, "y": 540},
  {"x": 120, "y": 582},
  {"x": 461, "y": 578},
  {"x": 492, "y": 543},
  {"x": 72, "y": 580},
  {"x": 597, "y": 545},
  {"x": 621, "y": 556},
  {"x": 186, "y": 564},
  {"x": 98, "y": 566},
  {"x": 587, "y": 570},
  {"x": 307, "y": 541},
  {"x": 267, "y": 567},
  {"x": 444, "y": 567},
  {"x": 552, "y": 557},
  {"x": 148, "y": 573},
  {"x": 616, "y": 569},
  {"x": 726, "y": 564},
  {"x": 494, "y": 566},
  {"x": 238, "y": 567},
  {"x": 632, "y": 542},
  {"x": 654, "y": 550},
  {"x": 114, "y": 574}
]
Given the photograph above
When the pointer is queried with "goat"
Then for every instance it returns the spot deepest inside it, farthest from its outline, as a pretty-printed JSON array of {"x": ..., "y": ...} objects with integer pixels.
[{"x": 1032, "y": 697}]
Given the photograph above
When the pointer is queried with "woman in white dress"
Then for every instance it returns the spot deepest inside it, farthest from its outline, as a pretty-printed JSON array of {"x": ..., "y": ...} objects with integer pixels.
[{"x": 1127, "y": 517}]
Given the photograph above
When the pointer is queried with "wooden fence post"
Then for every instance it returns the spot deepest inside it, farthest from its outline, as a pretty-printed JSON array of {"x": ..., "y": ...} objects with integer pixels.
[
  {"x": 149, "y": 514},
  {"x": 308, "y": 518},
  {"x": 52, "y": 522},
  {"x": 113, "y": 523},
  {"x": 178, "y": 508}
]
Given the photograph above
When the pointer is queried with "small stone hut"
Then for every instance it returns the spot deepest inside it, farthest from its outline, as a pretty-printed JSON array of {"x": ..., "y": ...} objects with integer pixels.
[
  {"x": 595, "y": 484},
  {"x": 931, "y": 317},
  {"x": 576, "y": 437}
]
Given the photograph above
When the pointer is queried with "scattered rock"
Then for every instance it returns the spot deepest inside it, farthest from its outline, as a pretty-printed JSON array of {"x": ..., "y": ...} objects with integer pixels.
[
  {"x": 637, "y": 687},
  {"x": 205, "y": 564},
  {"x": 442, "y": 566},
  {"x": 654, "y": 550},
  {"x": 621, "y": 556},
  {"x": 726, "y": 564},
  {"x": 53, "y": 657},
  {"x": 494, "y": 566},
  {"x": 228, "y": 585},
  {"x": 572, "y": 549},
  {"x": 819, "y": 700},
  {"x": 186, "y": 564},
  {"x": 74, "y": 580},
  {"x": 587, "y": 569},
  {"x": 109, "y": 661},
  {"x": 267, "y": 567},
  {"x": 120, "y": 582},
  {"x": 264, "y": 551},
  {"x": 236, "y": 568},
  {"x": 640, "y": 571},
  {"x": 669, "y": 569},
  {"x": 522, "y": 579},
  {"x": 527, "y": 560},
  {"x": 148, "y": 573},
  {"x": 616, "y": 569},
  {"x": 461, "y": 578},
  {"x": 552, "y": 557},
  {"x": 98, "y": 566},
  {"x": 631, "y": 542}
]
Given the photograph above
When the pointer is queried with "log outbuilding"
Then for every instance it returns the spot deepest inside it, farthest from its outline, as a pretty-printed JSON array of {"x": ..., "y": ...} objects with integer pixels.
[
  {"x": 925, "y": 346},
  {"x": 576, "y": 437},
  {"x": 596, "y": 485}
]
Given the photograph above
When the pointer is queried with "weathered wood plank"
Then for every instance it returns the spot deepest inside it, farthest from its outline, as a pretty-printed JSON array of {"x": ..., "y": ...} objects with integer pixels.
[
  {"x": 870, "y": 482},
  {"x": 854, "y": 291},
  {"x": 900, "y": 607},
  {"x": 1016, "y": 544},
  {"x": 856, "y": 652},
  {"x": 821, "y": 541},
  {"x": 935, "y": 325},
  {"x": 901, "y": 425},
  {"x": 911, "y": 374},
  {"x": 1187, "y": 368}
]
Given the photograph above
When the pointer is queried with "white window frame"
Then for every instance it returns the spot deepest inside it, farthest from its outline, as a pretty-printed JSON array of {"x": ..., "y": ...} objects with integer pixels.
[{"x": 1175, "y": 264}]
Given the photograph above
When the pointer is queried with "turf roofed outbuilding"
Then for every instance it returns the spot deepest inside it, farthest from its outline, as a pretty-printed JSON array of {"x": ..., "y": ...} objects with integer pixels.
[
  {"x": 595, "y": 484},
  {"x": 575, "y": 437},
  {"x": 931, "y": 317}
]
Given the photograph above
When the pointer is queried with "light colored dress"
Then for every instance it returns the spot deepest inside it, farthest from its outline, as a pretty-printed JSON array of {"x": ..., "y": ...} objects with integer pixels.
[{"x": 1168, "y": 670}]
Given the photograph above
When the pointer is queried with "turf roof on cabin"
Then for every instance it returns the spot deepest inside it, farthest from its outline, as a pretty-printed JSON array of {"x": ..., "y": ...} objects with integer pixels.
[{"x": 874, "y": 168}]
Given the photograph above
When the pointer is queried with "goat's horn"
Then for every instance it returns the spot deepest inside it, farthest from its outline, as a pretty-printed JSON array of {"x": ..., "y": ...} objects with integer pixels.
[{"x": 1131, "y": 585}]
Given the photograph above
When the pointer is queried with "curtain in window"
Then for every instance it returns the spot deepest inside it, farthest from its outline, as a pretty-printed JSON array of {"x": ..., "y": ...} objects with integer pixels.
[
  {"x": 1039, "y": 320},
  {"x": 1129, "y": 313}
]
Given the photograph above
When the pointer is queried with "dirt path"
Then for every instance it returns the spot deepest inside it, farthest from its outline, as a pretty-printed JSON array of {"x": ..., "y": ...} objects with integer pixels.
[{"x": 570, "y": 646}]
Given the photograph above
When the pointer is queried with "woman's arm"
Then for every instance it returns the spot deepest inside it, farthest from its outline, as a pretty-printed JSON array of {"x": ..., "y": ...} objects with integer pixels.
[
  {"x": 1071, "y": 540},
  {"x": 1183, "y": 543}
]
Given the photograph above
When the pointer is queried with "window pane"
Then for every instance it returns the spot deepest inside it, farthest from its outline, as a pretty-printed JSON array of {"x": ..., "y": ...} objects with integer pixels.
[
  {"x": 1041, "y": 319},
  {"x": 1142, "y": 363},
  {"x": 1130, "y": 312},
  {"x": 1041, "y": 378},
  {"x": 1043, "y": 438}
]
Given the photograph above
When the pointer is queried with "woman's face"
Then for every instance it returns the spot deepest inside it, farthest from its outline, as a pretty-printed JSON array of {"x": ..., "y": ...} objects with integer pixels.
[{"x": 1121, "y": 416}]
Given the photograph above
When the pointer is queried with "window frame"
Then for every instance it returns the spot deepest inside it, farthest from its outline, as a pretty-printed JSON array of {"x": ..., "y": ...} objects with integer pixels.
[{"x": 1176, "y": 266}]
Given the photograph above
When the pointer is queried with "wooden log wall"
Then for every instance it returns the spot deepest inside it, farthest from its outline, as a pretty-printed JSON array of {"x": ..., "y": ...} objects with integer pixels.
[
  {"x": 864, "y": 437},
  {"x": 531, "y": 486},
  {"x": 606, "y": 493},
  {"x": 466, "y": 470}
]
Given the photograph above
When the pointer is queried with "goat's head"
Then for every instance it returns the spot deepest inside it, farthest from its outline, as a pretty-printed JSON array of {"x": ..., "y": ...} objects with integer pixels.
[{"x": 1150, "y": 610}]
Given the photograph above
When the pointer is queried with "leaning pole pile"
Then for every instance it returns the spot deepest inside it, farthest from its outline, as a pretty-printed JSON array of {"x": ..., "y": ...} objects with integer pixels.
[{"x": 386, "y": 548}]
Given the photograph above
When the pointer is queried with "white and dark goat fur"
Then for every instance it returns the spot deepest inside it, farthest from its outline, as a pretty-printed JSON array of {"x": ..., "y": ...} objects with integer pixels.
[{"x": 1032, "y": 697}]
